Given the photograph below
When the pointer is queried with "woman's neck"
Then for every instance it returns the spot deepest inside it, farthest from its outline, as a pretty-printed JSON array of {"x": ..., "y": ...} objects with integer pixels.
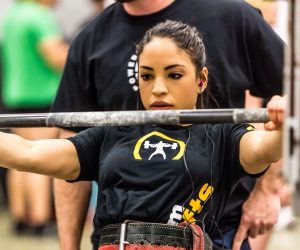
[{"x": 145, "y": 7}]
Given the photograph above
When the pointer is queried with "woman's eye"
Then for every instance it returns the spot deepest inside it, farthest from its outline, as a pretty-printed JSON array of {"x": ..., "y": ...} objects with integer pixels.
[
  {"x": 175, "y": 76},
  {"x": 146, "y": 77}
]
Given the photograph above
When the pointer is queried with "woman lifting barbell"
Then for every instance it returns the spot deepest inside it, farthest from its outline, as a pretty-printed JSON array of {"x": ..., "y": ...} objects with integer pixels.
[{"x": 138, "y": 182}]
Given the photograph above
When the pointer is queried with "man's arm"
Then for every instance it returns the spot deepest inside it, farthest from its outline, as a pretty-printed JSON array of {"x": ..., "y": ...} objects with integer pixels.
[
  {"x": 71, "y": 205},
  {"x": 260, "y": 212},
  {"x": 54, "y": 51}
]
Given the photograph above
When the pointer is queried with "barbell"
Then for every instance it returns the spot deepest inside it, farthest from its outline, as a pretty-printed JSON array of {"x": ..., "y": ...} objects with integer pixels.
[{"x": 128, "y": 118}]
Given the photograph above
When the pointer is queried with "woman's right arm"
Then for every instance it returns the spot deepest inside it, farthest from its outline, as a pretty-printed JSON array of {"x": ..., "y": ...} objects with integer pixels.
[{"x": 53, "y": 157}]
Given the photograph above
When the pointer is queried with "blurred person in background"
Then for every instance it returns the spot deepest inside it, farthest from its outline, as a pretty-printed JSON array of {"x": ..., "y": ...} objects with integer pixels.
[{"x": 34, "y": 55}]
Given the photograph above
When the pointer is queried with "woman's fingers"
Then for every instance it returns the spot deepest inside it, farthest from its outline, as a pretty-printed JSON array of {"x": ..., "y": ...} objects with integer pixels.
[{"x": 276, "y": 109}]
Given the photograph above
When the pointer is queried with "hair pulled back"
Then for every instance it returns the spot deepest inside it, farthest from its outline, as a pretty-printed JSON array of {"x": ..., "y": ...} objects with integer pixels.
[{"x": 183, "y": 35}]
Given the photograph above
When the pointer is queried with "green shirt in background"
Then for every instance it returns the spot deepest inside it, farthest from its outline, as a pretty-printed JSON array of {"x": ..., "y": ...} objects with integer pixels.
[{"x": 29, "y": 82}]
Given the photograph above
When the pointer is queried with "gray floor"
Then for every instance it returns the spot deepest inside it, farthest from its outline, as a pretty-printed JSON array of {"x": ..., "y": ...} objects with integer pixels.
[
  {"x": 280, "y": 240},
  {"x": 10, "y": 242}
]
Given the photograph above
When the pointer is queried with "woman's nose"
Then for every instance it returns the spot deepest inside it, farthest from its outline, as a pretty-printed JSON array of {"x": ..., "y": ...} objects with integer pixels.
[{"x": 159, "y": 87}]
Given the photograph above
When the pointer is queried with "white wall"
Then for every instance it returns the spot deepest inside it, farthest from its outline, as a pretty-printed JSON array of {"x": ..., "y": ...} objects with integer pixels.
[
  {"x": 4, "y": 5},
  {"x": 71, "y": 14},
  {"x": 281, "y": 27}
]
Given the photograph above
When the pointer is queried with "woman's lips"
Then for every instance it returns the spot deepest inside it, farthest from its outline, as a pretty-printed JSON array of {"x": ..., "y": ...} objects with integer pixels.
[{"x": 160, "y": 105}]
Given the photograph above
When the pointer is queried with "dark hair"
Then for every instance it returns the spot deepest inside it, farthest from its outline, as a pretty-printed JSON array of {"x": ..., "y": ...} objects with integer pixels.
[{"x": 187, "y": 38}]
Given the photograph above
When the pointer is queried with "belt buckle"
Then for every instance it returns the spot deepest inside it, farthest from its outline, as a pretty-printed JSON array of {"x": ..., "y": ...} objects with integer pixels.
[{"x": 123, "y": 232}]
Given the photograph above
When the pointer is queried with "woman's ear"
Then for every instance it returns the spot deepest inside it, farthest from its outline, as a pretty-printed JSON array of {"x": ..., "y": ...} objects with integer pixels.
[{"x": 202, "y": 80}]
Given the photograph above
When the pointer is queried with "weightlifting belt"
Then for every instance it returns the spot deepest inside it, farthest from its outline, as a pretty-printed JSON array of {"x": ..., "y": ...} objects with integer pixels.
[{"x": 146, "y": 236}]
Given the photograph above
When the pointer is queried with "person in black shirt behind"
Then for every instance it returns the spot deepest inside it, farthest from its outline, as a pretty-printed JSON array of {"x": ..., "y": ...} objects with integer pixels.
[{"x": 162, "y": 174}]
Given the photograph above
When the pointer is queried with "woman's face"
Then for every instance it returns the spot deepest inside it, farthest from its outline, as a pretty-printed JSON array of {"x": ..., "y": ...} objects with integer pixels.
[{"x": 167, "y": 76}]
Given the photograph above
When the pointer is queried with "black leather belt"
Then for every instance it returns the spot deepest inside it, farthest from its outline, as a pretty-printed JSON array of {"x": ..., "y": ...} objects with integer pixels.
[{"x": 148, "y": 233}]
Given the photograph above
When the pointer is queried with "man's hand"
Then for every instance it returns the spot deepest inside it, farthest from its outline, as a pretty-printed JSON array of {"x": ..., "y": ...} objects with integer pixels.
[{"x": 260, "y": 212}]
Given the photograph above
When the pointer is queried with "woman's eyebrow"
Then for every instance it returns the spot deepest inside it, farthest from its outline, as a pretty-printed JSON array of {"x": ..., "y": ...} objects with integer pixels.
[
  {"x": 146, "y": 67},
  {"x": 165, "y": 68},
  {"x": 173, "y": 66}
]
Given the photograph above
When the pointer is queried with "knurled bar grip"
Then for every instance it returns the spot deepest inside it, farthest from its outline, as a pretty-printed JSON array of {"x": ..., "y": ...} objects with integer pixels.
[{"x": 127, "y": 118}]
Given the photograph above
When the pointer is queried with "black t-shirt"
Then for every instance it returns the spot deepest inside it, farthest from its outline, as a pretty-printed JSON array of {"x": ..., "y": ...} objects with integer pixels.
[{"x": 144, "y": 172}]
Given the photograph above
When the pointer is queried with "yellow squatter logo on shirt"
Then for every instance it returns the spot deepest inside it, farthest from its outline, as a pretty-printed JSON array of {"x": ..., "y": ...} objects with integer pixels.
[{"x": 158, "y": 148}]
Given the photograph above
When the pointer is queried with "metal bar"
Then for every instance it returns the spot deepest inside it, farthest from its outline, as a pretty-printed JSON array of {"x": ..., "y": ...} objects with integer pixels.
[
  {"x": 22, "y": 120},
  {"x": 127, "y": 118}
]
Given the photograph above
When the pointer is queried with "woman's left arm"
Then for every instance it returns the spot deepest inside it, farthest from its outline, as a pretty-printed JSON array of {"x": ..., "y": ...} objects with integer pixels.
[{"x": 258, "y": 149}]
